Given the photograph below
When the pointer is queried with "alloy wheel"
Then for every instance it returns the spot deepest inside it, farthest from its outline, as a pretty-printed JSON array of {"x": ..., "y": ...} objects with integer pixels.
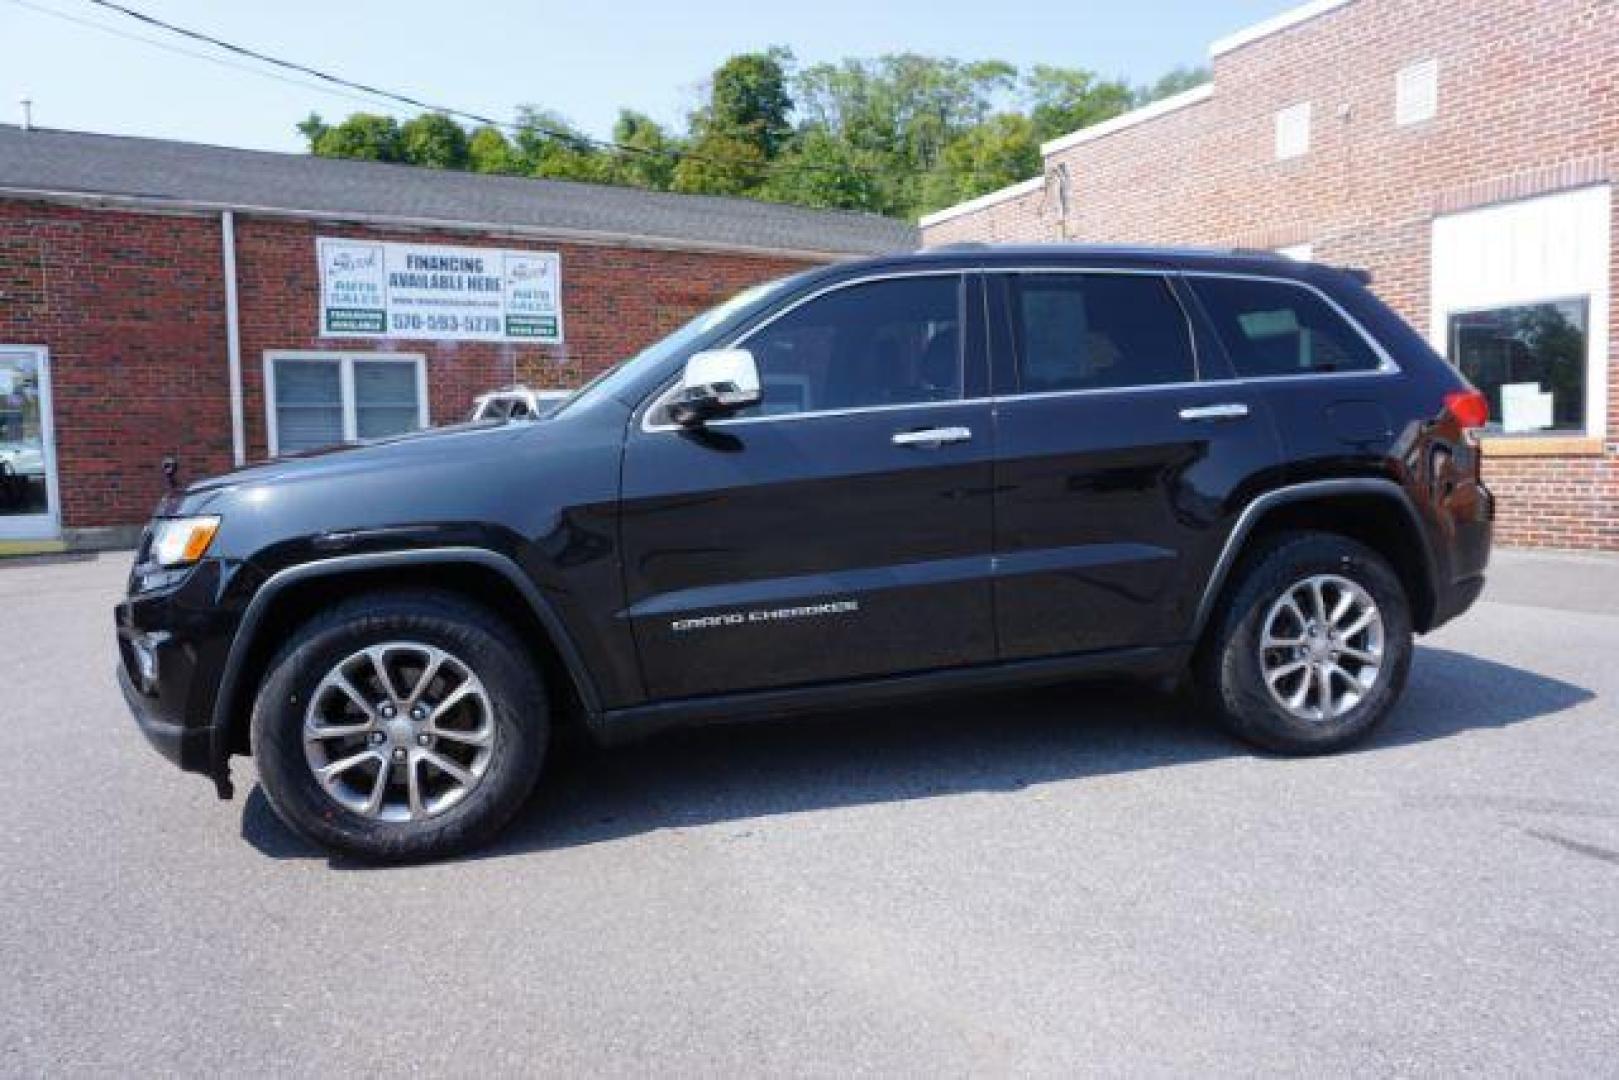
[
  {"x": 400, "y": 731},
  {"x": 1322, "y": 647}
]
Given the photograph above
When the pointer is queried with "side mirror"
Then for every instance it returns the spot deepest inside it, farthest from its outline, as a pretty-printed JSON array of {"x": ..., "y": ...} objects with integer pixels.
[{"x": 715, "y": 383}]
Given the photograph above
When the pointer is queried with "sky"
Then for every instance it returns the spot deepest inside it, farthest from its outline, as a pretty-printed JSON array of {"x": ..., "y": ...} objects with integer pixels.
[{"x": 582, "y": 58}]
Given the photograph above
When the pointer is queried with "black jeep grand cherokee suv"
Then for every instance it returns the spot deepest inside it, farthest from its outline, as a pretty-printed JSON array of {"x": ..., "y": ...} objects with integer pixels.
[{"x": 962, "y": 468}]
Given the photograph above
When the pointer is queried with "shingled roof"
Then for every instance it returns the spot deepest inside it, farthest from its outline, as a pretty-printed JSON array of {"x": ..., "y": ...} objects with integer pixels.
[{"x": 190, "y": 175}]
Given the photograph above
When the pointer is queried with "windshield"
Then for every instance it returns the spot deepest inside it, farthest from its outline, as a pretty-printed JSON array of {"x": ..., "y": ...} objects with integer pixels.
[{"x": 625, "y": 372}]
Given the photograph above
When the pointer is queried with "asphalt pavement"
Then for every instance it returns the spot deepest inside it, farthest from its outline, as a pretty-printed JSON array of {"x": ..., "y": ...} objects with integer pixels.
[{"x": 1078, "y": 879}]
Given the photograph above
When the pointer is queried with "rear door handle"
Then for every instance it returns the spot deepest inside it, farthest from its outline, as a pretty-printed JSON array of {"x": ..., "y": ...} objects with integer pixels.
[
  {"x": 1234, "y": 410},
  {"x": 933, "y": 436}
]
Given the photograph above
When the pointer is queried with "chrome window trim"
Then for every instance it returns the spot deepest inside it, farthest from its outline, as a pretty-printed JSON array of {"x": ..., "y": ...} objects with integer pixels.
[
  {"x": 1387, "y": 364},
  {"x": 1147, "y": 388},
  {"x": 1104, "y": 391}
]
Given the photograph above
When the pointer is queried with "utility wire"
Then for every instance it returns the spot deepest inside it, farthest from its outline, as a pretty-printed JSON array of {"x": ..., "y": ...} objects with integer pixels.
[
  {"x": 555, "y": 133},
  {"x": 205, "y": 57}
]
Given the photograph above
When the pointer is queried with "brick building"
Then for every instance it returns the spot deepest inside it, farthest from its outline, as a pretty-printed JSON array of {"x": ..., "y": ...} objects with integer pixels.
[
  {"x": 1465, "y": 153},
  {"x": 221, "y": 305}
]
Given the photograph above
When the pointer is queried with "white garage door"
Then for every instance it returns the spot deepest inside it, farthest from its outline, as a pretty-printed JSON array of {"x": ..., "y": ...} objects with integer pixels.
[{"x": 1520, "y": 303}]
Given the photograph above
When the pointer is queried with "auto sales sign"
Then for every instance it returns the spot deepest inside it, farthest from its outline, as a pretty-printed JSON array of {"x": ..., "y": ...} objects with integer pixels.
[{"x": 370, "y": 289}]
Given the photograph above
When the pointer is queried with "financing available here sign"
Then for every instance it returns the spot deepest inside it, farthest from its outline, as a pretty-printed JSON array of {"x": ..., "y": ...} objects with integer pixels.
[{"x": 373, "y": 289}]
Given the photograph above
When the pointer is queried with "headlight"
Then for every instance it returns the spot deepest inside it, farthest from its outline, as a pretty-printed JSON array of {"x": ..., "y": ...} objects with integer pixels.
[{"x": 182, "y": 541}]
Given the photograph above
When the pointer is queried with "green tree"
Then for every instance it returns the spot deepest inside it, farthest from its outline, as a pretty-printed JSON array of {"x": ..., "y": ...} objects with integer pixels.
[
  {"x": 743, "y": 125},
  {"x": 1002, "y": 150},
  {"x": 1171, "y": 83},
  {"x": 749, "y": 100},
  {"x": 650, "y": 160},
  {"x": 819, "y": 169},
  {"x": 312, "y": 127},
  {"x": 489, "y": 151},
  {"x": 720, "y": 164},
  {"x": 548, "y": 145},
  {"x": 894, "y": 134},
  {"x": 898, "y": 113},
  {"x": 363, "y": 136},
  {"x": 904, "y": 106},
  {"x": 1062, "y": 100},
  {"x": 435, "y": 141}
]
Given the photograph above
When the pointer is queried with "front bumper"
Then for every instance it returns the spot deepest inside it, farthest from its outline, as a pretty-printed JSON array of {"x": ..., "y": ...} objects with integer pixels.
[
  {"x": 171, "y": 644},
  {"x": 185, "y": 747}
]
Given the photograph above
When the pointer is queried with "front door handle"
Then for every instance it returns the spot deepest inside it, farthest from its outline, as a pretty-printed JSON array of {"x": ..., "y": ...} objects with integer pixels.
[
  {"x": 1234, "y": 410},
  {"x": 933, "y": 436}
]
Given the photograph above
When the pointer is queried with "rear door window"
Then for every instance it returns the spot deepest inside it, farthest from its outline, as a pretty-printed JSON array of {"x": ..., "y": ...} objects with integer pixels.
[
  {"x": 1098, "y": 331},
  {"x": 1272, "y": 328}
]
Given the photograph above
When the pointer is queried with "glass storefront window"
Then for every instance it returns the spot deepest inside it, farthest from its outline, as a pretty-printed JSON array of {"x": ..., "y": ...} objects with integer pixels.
[
  {"x": 1521, "y": 354},
  {"x": 24, "y": 483}
]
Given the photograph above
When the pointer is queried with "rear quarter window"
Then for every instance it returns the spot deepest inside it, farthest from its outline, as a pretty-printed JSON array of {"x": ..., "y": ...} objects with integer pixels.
[{"x": 1272, "y": 328}]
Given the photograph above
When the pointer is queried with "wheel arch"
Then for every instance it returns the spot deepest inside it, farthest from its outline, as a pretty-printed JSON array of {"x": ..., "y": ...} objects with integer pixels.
[
  {"x": 1376, "y": 512},
  {"x": 291, "y": 596}
]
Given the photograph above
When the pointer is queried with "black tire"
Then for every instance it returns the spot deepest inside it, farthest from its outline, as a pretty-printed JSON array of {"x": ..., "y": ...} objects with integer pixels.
[
  {"x": 1228, "y": 672},
  {"x": 485, "y": 646}
]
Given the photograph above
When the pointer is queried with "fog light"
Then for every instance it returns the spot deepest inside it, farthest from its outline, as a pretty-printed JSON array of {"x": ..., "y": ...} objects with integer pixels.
[{"x": 145, "y": 648}]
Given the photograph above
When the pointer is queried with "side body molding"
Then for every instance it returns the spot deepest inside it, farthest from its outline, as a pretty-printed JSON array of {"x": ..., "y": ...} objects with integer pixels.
[
  {"x": 1303, "y": 492},
  {"x": 341, "y": 564}
]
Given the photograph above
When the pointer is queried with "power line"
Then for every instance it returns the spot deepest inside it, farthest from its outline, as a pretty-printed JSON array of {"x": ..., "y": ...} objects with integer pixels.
[
  {"x": 196, "y": 55},
  {"x": 417, "y": 103}
]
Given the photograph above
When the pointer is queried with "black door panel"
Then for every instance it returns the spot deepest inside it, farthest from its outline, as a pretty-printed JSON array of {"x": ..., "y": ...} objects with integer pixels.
[
  {"x": 1113, "y": 498},
  {"x": 845, "y": 529},
  {"x": 796, "y": 551},
  {"x": 1110, "y": 508}
]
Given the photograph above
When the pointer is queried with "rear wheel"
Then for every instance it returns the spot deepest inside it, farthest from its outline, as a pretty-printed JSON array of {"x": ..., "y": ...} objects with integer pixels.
[
  {"x": 1312, "y": 647},
  {"x": 400, "y": 726}
]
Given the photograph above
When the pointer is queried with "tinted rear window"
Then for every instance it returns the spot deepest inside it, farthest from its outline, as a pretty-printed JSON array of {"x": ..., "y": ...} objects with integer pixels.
[
  {"x": 1098, "y": 331},
  {"x": 1273, "y": 328}
]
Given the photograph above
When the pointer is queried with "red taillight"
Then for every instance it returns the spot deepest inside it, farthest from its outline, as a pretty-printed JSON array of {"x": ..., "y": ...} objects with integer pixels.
[{"x": 1470, "y": 408}]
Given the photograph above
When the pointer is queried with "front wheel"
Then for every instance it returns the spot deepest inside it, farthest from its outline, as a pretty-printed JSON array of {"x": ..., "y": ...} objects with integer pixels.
[
  {"x": 400, "y": 726},
  {"x": 1312, "y": 647}
]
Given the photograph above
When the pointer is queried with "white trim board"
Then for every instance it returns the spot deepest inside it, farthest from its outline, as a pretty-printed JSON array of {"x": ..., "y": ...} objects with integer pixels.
[
  {"x": 1011, "y": 191},
  {"x": 1286, "y": 20},
  {"x": 1551, "y": 247},
  {"x": 1196, "y": 95}
]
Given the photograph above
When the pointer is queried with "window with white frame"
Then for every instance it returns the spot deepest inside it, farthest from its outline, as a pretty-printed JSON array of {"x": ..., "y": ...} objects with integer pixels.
[
  {"x": 1293, "y": 131},
  {"x": 1416, "y": 93},
  {"x": 1521, "y": 296},
  {"x": 322, "y": 399}
]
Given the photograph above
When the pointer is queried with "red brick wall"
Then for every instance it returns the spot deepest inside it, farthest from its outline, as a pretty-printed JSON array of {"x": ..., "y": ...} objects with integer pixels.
[
  {"x": 615, "y": 302},
  {"x": 1557, "y": 501},
  {"x": 132, "y": 308},
  {"x": 1528, "y": 104},
  {"x": 1021, "y": 218}
]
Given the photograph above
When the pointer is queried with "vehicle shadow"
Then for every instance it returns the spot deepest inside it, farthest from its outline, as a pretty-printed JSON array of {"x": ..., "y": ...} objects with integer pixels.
[{"x": 1003, "y": 741}]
